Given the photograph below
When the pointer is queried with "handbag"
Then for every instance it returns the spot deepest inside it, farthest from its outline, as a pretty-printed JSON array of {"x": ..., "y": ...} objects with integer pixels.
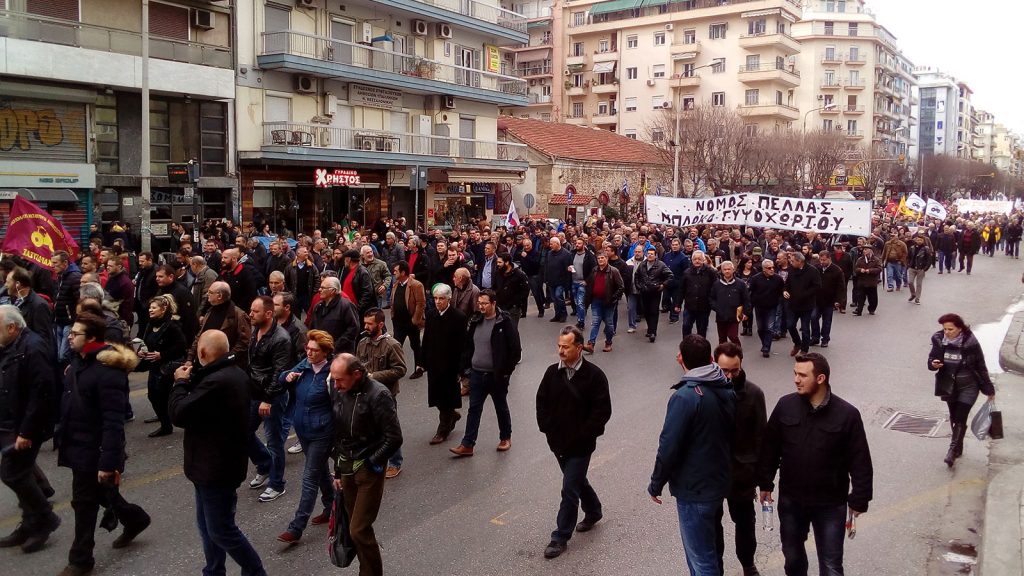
[
  {"x": 982, "y": 421},
  {"x": 995, "y": 429},
  {"x": 340, "y": 546}
]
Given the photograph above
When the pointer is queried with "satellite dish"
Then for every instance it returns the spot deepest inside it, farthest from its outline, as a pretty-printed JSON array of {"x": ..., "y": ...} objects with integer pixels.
[{"x": 529, "y": 200}]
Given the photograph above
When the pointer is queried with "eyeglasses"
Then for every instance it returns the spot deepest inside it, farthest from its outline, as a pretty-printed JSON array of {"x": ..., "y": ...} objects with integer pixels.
[{"x": 74, "y": 334}]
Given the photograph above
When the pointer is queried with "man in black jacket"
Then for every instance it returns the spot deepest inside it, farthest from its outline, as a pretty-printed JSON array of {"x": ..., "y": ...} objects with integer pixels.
[
  {"x": 145, "y": 289},
  {"x": 750, "y": 419},
  {"x": 491, "y": 351},
  {"x": 211, "y": 403},
  {"x": 270, "y": 354},
  {"x": 357, "y": 278},
  {"x": 244, "y": 279},
  {"x": 36, "y": 312},
  {"x": 366, "y": 435},
  {"x": 182, "y": 298},
  {"x": 528, "y": 261},
  {"x": 831, "y": 297},
  {"x": 336, "y": 315},
  {"x": 68, "y": 279},
  {"x": 694, "y": 297},
  {"x": 573, "y": 406},
  {"x": 558, "y": 277},
  {"x": 818, "y": 438},
  {"x": 511, "y": 286},
  {"x": 26, "y": 400},
  {"x": 801, "y": 291},
  {"x": 765, "y": 292}
]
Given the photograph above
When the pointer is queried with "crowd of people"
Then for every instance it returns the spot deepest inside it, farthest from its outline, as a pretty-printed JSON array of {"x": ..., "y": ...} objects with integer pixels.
[{"x": 238, "y": 329}]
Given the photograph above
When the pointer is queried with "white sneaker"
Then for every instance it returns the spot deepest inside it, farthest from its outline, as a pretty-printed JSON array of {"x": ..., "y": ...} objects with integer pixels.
[
  {"x": 258, "y": 481},
  {"x": 631, "y": 331},
  {"x": 269, "y": 495},
  {"x": 295, "y": 448}
]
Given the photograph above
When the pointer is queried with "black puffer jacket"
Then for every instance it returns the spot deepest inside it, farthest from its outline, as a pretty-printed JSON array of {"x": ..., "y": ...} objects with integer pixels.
[
  {"x": 695, "y": 288},
  {"x": 365, "y": 424},
  {"x": 803, "y": 285},
  {"x": 27, "y": 388},
  {"x": 573, "y": 413},
  {"x": 651, "y": 277},
  {"x": 268, "y": 357},
  {"x": 972, "y": 361},
  {"x": 340, "y": 319},
  {"x": 66, "y": 295}
]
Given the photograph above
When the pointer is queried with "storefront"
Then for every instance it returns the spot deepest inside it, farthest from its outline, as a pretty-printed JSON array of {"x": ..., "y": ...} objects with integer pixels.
[
  {"x": 63, "y": 190},
  {"x": 451, "y": 206}
]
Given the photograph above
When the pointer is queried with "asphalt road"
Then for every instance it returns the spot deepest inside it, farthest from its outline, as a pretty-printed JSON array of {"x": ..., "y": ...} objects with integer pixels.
[{"x": 493, "y": 513}]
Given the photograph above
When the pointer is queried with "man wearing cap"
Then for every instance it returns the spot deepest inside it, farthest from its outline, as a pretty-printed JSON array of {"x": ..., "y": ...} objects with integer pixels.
[
  {"x": 919, "y": 259},
  {"x": 865, "y": 280}
]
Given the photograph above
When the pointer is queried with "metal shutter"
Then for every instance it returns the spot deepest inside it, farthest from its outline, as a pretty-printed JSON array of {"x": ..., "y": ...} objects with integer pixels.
[
  {"x": 168, "y": 21},
  {"x": 63, "y": 9}
]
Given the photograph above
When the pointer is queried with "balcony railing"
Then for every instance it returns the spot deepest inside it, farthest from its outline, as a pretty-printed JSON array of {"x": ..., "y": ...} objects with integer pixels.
[
  {"x": 533, "y": 12},
  {"x": 480, "y": 11},
  {"x": 540, "y": 98},
  {"x": 855, "y": 59},
  {"x": 89, "y": 36},
  {"x": 352, "y": 54},
  {"x": 328, "y": 137},
  {"x": 769, "y": 68},
  {"x": 672, "y": 7},
  {"x": 536, "y": 70}
]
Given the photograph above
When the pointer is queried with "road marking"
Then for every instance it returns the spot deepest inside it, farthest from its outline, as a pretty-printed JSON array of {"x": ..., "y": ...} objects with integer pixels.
[{"x": 497, "y": 521}]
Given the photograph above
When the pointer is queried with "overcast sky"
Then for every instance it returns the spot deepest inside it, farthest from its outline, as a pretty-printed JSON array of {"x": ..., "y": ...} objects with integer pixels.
[{"x": 978, "y": 42}]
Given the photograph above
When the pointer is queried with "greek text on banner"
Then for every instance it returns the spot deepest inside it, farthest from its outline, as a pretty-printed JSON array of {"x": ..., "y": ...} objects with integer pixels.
[{"x": 765, "y": 211}]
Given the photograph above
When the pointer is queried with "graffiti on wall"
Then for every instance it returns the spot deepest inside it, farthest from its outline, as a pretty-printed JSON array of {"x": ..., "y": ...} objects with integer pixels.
[{"x": 42, "y": 130}]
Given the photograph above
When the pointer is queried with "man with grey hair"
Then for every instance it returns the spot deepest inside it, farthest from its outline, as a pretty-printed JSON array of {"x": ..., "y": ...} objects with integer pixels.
[
  {"x": 465, "y": 294},
  {"x": 765, "y": 292},
  {"x": 443, "y": 340},
  {"x": 380, "y": 276},
  {"x": 205, "y": 277},
  {"x": 276, "y": 282},
  {"x": 336, "y": 315},
  {"x": 26, "y": 397}
]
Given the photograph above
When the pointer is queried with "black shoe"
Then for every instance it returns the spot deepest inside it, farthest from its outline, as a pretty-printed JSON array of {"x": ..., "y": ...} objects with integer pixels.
[
  {"x": 555, "y": 319},
  {"x": 824, "y": 343},
  {"x": 151, "y": 420},
  {"x": 766, "y": 354},
  {"x": 750, "y": 571},
  {"x": 651, "y": 338},
  {"x": 911, "y": 299},
  {"x": 871, "y": 312},
  {"x": 541, "y": 313},
  {"x": 417, "y": 373},
  {"x": 16, "y": 538},
  {"x": 857, "y": 312},
  {"x": 586, "y": 525},
  {"x": 131, "y": 532},
  {"x": 161, "y": 432},
  {"x": 35, "y": 542},
  {"x": 554, "y": 549},
  {"x": 580, "y": 325}
]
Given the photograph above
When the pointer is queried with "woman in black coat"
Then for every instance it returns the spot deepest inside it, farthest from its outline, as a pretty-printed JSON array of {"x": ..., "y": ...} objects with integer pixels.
[
  {"x": 443, "y": 340},
  {"x": 164, "y": 346},
  {"x": 960, "y": 375}
]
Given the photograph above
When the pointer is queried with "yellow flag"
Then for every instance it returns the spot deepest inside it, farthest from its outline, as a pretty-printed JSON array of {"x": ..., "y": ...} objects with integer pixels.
[{"x": 903, "y": 208}]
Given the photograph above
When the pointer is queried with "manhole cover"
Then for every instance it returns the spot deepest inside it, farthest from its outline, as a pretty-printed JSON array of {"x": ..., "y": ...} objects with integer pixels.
[{"x": 928, "y": 426}]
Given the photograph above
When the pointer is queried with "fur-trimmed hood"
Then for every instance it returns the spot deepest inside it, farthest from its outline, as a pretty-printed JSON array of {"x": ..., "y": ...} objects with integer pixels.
[{"x": 119, "y": 357}]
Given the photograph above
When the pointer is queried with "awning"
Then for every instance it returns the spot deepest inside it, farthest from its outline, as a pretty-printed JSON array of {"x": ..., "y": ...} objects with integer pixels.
[
  {"x": 604, "y": 67},
  {"x": 575, "y": 68},
  {"x": 577, "y": 199},
  {"x": 484, "y": 177},
  {"x": 534, "y": 55},
  {"x": 614, "y": 6},
  {"x": 684, "y": 56},
  {"x": 651, "y": 3},
  {"x": 40, "y": 194},
  {"x": 756, "y": 13}
]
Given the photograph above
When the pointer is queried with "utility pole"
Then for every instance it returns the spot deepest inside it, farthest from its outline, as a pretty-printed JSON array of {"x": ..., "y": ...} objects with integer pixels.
[{"x": 144, "y": 173}]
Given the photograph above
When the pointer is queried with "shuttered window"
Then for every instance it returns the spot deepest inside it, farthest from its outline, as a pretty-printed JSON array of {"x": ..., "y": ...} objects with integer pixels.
[
  {"x": 168, "y": 21},
  {"x": 63, "y": 9}
]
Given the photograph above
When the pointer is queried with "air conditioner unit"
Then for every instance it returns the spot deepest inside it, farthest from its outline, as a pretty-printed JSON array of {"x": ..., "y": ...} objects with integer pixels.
[
  {"x": 650, "y": 82},
  {"x": 330, "y": 104},
  {"x": 444, "y": 30},
  {"x": 566, "y": 72},
  {"x": 305, "y": 84},
  {"x": 448, "y": 102},
  {"x": 202, "y": 19},
  {"x": 365, "y": 143},
  {"x": 305, "y": 3},
  {"x": 669, "y": 26},
  {"x": 419, "y": 27},
  {"x": 666, "y": 105},
  {"x": 367, "y": 36},
  {"x": 821, "y": 96},
  {"x": 442, "y": 119}
]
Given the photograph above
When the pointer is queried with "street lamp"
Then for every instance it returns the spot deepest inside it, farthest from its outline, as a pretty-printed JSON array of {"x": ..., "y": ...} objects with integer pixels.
[
  {"x": 675, "y": 143},
  {"x": 828, "y": 106}
]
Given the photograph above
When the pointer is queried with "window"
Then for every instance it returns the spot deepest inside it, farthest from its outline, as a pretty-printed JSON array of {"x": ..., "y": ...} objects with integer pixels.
[
  {"x": 778, "y": 97},
  {"x": 830, "y": 53},
  {"x": 631, "y": 73},
  {"x": 577, "y": 49},
  {"x": 631, "y": 104},
  {"x": 828, "y": 100},
  {"x": 718, "y": 67},
  {"x": 780, "y": 26},
  {"x": 756, "y": 27},
  {"x": 577, "y": 109},
  {"x": 656, "y": 101},
  {"x": 718, "y": 99},
  {"x": 602, "y": 45},
  {"x": 830, "y": 6},
  {"x": 854, "y": 78},
  {"x": 853, "y": 28},
  {"x": 830, "y": 28},
  {"x": 631, "y": 41},
  {"x": 545, "y": 116},
  {"x": 750, "y": 130},
  {"x": 690, "y": 36},
  {"x": 688, "y": 70},
  {"x": 826, "y": 125},
  {"x": 716, "y": 31},
  {"x": 106, "y": 134},
  {"x": 751, "y": 97},
  {"x": 851, "y": 127},
  {"x": 659, "y": 38},
  {"x": 546, "y": 90},
  {"x": 830, "y": 78},
  {"x": 631, "y": 133},
  {"x": 688, "y": 102},
  {"x": 851, "y": 102},
  {"x": 657, "y": 135},
  {"x": 841, "y": 6},
  {"x": 854, "y": 53},
  {"x": 577, "y": 80},
  {"x": 658, "y": 71},
  {"x": 602, "y": 108},
  {"x": 780, "y": 63},
  {"x": 579, "y": 18},
  {"x": 753, "y": 61}
]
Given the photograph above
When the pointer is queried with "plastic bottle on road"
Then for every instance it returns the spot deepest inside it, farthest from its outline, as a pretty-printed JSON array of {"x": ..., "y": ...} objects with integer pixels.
[{"x": 768, "y": 516}]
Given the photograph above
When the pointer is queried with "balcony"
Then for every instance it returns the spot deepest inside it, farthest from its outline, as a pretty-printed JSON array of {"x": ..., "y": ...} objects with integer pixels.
[
  {"x": 854, "y": 84},
  {"x": 533, "y": 70},
  {"x": 609, "y": 88},
  {"x": 769, "y": 73},
  {"x": 855, "y": 60},
  {"x": 576, "y": 60},
  {"x": 853, "y": 110},
  {"x": 777, "y": 40},
  {"x": 471, "y": 14},
  {"x": 829, "y": 111},
  {"x": 605, "y": 119},
  {"x": 830, "y": 84},
  {"x": 301, "y": 53},
  {"x": 70, "y": 51},
  {"x": 684, "y": 50},
  {"x": 854, "y": 134},
  {"x": 384, "y": 147},
  {"x": 576, "y": 120},
  {"x": 606, "y": 56},
  {"x": 539, "y": 99},
  {"x": 684, "y": 81},
  {"x": 576, "y": 91},
  {"x": 834, "y": 59},
  {"x": 782, "y": 111}
]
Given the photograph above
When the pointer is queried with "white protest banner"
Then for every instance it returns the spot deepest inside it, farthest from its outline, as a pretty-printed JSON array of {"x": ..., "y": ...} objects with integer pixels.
[
  {"x": 935, "y": 209},
  {"x": 766, "y": 211},
  {"x": 916, "y": 203},
  {"x": 967, "y": 205}
]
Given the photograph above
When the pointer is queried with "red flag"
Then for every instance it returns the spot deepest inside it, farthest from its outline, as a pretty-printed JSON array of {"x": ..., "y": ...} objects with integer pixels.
[
  {"x": 35, "y": 235},
  {"x": 891, "y": 207}
]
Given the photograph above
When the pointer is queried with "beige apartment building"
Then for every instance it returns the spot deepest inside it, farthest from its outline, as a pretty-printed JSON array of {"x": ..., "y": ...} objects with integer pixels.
[{"x": 855, "y": 79}]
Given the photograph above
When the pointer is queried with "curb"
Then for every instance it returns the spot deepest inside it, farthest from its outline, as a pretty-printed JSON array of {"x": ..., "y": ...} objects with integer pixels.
[
  {"x": 1010, "y": 358},
  {"x": 1002, "y": 543}
]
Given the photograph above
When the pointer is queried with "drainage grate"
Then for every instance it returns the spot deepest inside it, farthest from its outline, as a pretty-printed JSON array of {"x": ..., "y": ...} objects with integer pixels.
[{"x": 928, "y": 426}]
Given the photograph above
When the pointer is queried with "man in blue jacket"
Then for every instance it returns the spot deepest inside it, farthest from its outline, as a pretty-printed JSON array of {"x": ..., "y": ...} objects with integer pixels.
[{"x": 695, "y": 452}]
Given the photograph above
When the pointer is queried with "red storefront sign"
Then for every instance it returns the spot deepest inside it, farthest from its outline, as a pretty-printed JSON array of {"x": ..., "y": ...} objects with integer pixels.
[{"x": 325, "y": 179}]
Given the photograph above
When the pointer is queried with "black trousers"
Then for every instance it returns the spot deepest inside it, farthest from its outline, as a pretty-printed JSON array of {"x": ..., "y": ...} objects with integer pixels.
[
  {"x": 408, "y": 329},
  {"x": 869, "y": 294},
  {"x": 87, "y": 495},
  {"x": 744, "y": 516},
  {"x": 159, "y": 392},
  {"x": 652, "y": 312},
  {"x": 18, "y": 472}
]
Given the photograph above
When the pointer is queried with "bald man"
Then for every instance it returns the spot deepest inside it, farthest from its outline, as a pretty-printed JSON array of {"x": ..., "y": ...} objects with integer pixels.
[{"x": 211, "y": 402}]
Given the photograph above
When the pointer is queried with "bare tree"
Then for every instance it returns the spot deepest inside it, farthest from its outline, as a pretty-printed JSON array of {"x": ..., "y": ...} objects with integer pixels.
[
  {"x": 786, "y": 157},
  {"x": 874, "y": 165},
  {"x": 699, "y": 135},
  {"x": 823, "y": 151}
]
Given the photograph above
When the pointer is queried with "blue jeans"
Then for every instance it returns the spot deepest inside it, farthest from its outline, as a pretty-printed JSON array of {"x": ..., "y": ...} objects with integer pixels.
[
  {"x": 946, "y": 261},
  {"x": 269, "y": 458},
  {"x": 700, "y": 318},
  {"x": 779, "y": 327},
  {"x": 632, "y": 309},
  {"x": 557, "y": 294},
  {"x": 698, "y": 523},
  {"x": 801, "y": 339},
  {"x": 576, "y": 490},
  {"x": 61, "y": 334},
  {"x": 606, "y": 314},
  {"x": 315, "y": 476},
  {"x": 396, "y": 458},
  {"x": 821, "y": 324},
  {"x": 765, "y": 318},
  {"x": 482, "y": 385},
  {"x": 893, "y": 273},
  {"x": 579, "y": 290},
  {"x": 829, "y": 523},
  {"x": 215, "y": 517}
]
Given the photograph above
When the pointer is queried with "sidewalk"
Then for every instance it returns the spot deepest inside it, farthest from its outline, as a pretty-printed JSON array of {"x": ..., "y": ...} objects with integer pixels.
[{"x": 1002, "y": 543}]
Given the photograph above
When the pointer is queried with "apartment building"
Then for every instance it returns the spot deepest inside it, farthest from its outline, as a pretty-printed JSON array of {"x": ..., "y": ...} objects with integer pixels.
[
  {"x": 539, "y": 60},
  {"x": 70, "y": 81},
  {"x": 947, "y": 116},
  {"x": 994, "y": 143},
  {"x": 856, "y": 80},
  {"x": 374, "y": 108}
]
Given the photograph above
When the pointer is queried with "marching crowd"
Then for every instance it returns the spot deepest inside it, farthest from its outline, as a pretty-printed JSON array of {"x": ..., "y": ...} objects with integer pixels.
[{"x": 240, "y": 330}]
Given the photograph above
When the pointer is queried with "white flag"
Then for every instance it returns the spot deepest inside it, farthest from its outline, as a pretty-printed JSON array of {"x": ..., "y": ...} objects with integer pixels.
[
  {"x": 916, "y": 203},
  {"x": 935, "y": 210},
  {"x": 512, "y": 219}
]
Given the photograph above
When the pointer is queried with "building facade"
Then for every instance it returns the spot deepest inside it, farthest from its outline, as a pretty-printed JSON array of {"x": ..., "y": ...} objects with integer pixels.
[
  {"x": 948, "y": 119},
  {"x": 374, "y": 109},
  {"x": 70, "y": 79}
]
